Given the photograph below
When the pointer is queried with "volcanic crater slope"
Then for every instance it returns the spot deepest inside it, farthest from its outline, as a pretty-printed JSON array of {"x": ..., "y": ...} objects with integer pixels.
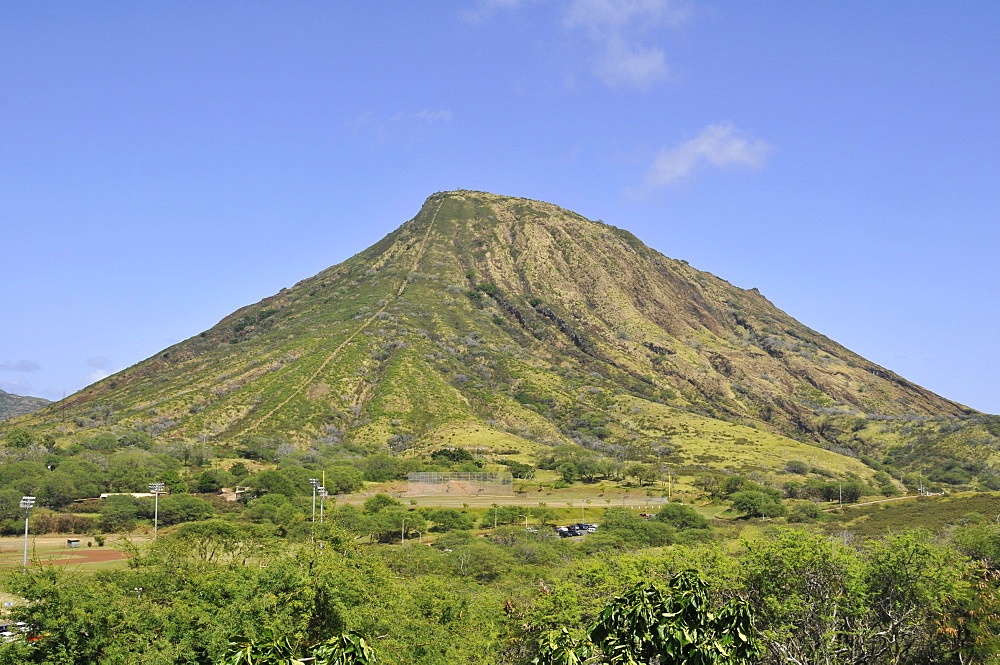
[{"x": 509, "y": 324}]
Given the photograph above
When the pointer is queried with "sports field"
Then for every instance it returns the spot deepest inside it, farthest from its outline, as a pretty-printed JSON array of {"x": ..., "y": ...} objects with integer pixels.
[{"x": 53, "y": 550}]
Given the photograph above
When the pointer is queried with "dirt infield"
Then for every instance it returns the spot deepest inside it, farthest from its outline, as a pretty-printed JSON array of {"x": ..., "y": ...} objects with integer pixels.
[{"x": 81, "y": 557}]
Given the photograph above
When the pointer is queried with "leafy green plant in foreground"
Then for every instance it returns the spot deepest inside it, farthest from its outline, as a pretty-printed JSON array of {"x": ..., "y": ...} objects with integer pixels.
[
  {"x": 677, "y": 625},
  {"x": 345, "y": 649}
]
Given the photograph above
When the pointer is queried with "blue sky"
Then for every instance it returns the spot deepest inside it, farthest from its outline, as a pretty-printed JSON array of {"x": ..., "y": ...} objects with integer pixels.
[{"x": 164, "y": 163}]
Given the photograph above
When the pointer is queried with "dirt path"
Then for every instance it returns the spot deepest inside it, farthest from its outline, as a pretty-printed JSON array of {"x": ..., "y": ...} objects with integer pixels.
[{"x": 869, "y": 503}]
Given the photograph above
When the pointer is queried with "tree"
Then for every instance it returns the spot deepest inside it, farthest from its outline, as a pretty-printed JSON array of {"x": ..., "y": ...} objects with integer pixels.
[
  {"x": 807, "y": 595},
  {"x": 520, "y": 470},
  {"x": 677, "y": 625},
  {"x": 980, "y": 541},
  {"x": 911, "y": 583},
  {"x": 559, "y": 647},
  {"x": 18, "y": 438},
  {"x": 178, "y": 508},
  {"x": 797, "y": 467},
  {"x": 804, "y": 511},
  {"x": 450, "y": 519},
  {"x": 344, "y": 479},
  {"x": 680, "y": 516},
  {"x": 544, "y": 514},
  {"x": 588, "y": 467},
  {"x": 118, "y": 513},
  {"x": 643, "y": 473},
  {"x": 568, "y": 471},
  {"x": 391, "y": 523},
  {"x": 218, "y": 540},
  {"x": 379, "y": 502},
  {"x": 273, "y": 482},
  {"x": 239, "y": 471},
  {"x": 633, "y": 529},
  {"x": 756, "y": 504},
  {"x": 207, "y": 482},
  {"x": 350, "y": 518},
  {"x": 137, "y": 439}
]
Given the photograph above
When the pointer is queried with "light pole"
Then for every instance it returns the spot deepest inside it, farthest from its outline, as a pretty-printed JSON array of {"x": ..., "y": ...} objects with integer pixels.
[
  {"x": 315, "y": 483},
  {"x": 27, "y": 502},
  {"x": 402, "y": 533},
  {"x": 322, "y": 495},
  {"x": 156, "y": 489}
]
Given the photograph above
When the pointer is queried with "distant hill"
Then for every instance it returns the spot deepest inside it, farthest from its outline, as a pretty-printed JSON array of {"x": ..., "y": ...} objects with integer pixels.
[
  {"x": 12, "y": 406},
  {"x": 511, "y": 324}
]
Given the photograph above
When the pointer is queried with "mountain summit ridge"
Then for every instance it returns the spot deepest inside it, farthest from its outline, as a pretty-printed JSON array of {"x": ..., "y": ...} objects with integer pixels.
[
  {"x": 515, "y": 316},
  {"x": 12, "y": 406}
]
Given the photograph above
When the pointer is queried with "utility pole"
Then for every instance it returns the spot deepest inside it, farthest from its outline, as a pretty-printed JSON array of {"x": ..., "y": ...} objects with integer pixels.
[
  {"x": 322, "y": 495},
  {"x": 156, "y": 488},
  {"x": 27, "y": 502},
  {"x": 315, "y": 483}
]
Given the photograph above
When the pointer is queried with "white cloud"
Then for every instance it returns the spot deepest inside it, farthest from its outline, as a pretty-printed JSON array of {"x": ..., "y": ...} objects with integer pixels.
[
  {"x": 623, "y": 35},
  {"x": 380, "y": 131},
  {"x": 99, "y": 362},
  {"x": 368, "y": 126},
  {"x": 624, "y": 15},
  {"x": 20, "y": 366},
  {"x": 634, "y": 66},
  {"x": 619, "y": 30},
  {"x": 96, "y": 376},
  {"x": 720, "y": 145},
  {"x": 103, "y": 367},
  {"x": 17, "y": 387},
  {"x": 434, "y": 116},
  {"x": 484, "y": 9}
]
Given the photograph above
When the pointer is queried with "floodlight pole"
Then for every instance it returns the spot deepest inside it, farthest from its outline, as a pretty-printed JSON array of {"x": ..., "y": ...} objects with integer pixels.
[
  {"x": 315, "y": 483},
  {"x": 156, "y": 488},
  {"x": 27, "y": 502},
  {"x": 402, "y": 533},
  {"x": 322, "y": 495}
]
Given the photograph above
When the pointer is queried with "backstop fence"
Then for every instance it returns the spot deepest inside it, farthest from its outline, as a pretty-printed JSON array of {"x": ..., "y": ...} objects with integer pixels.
[{"x": 459, "y": 483}]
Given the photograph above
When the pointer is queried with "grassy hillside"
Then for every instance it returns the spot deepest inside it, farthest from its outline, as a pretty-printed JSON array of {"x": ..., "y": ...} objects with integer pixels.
[
  {"x": 12, "y": 406},
  {"x": 500, "y": 323}
]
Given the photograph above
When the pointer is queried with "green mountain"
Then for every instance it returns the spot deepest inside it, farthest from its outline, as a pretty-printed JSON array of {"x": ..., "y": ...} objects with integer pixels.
[
  {"x": 12, "y": 406},
  {"x": 510, "y": 325}
]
